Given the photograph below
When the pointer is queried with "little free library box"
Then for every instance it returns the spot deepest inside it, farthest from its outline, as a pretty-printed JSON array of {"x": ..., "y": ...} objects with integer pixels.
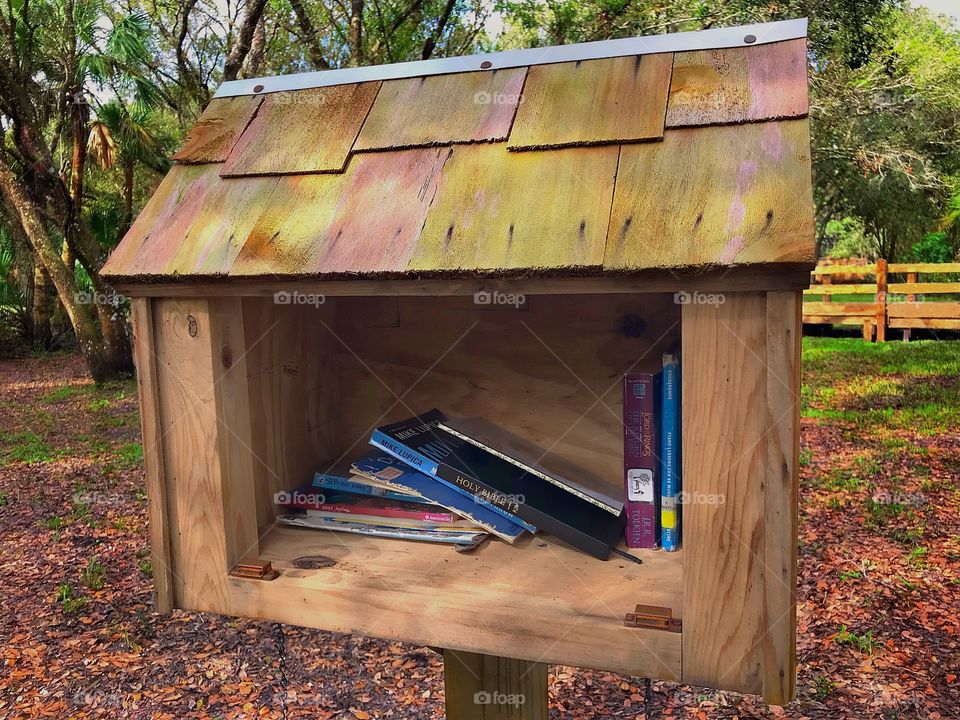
[{"x": 504, "y": 236}]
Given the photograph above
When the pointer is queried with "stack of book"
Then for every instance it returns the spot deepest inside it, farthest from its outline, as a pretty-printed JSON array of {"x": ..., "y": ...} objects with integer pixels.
[
  {"x": 459, "y": 481},
  {"x": 651, "y": 456},
  {"x": 450, "y": 480}
]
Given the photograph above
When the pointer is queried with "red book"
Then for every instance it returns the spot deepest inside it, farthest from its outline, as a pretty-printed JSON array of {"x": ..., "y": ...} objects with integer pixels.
[
  {"x": 308, "y": 497},
  {"x": 640, "y": 394}
]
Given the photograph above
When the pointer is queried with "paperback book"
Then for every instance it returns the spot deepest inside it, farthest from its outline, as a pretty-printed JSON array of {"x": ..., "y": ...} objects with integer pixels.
[
  {"x": 461, "y": 537},
  {"x": 422, "y": 444},
  {"x": 340, "y": 481},
  {"x": 388, "y": 469},
  {"x": 532, "y": 459},
  {"x": 342, "y": 503},
  {"x": 670, "y": 510},
  {"x": 641, "y": 405}
]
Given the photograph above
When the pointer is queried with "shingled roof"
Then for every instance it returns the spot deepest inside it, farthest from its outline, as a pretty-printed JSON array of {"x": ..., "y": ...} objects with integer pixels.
[{"x": 672, "y": 151}]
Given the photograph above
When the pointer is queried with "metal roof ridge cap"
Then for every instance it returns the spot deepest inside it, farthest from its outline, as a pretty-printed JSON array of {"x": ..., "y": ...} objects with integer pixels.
[{"x": 718, "y": 38}]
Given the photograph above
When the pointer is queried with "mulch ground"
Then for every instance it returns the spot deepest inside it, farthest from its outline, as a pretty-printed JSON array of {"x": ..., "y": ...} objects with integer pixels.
[{"x": 879, "y": 589}]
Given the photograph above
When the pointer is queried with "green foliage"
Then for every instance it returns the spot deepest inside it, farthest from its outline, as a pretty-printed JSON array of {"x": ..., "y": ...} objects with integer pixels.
[
  {"x": 24, "y": 446},
  {"x": 862, "y": 642},
  {"x": 94, "y": 574},
  {"x": 935, "y": 247},
  {"x": 69, "y": 601}
]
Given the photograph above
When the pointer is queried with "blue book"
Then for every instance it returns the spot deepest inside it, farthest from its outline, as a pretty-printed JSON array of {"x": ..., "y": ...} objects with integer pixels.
[
  {"x": 670, "y": 454},
  {"x": 428, "y": 466},
  {"x": 334, "y": 480},
  {"x": 388, "y": 469}
]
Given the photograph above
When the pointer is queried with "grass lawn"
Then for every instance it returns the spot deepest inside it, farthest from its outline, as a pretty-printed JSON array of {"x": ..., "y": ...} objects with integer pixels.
[{"x": 879, "y": 570}]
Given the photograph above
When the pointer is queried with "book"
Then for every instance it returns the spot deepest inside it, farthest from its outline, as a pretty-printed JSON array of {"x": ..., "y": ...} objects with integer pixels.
[
  {"x": 641, "y": 404},
  {"x": 396, "y": 473},
  {"x": 465, "y": 537},
  {"x": 534, "y": 460},
  {"x": 352, "y": 483},
  {"x": 420, "y": 443},
  {"x": 670, "y": 481},
  {"x": 306, "y": 498}
]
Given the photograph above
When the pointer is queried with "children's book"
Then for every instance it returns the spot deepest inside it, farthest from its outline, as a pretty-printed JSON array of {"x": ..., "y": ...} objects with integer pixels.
[
  {"x": 670, "y": 510},
  {"x": 388, "y": 469}
]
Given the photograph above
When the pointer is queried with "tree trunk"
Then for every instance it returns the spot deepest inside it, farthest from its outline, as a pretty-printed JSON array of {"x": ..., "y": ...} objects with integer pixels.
[
  {"x": 127, "y": 220},
  {"x": 41, "y": 309},
  {"x": 355, "y": 33},
  {"x": 234, "y": 61},
  {"x": 80, "y": 313}
]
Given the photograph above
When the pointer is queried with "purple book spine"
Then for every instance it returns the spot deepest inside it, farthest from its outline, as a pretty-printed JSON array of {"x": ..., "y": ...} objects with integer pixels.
[{"x": 639, "y": 460}]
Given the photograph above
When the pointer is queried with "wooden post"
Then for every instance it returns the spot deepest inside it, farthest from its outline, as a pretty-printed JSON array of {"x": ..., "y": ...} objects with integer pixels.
[
  {"x": 881, "y": 318},
  {"x": 911, "y": 278},
  {"x": 485, "y": 687}
]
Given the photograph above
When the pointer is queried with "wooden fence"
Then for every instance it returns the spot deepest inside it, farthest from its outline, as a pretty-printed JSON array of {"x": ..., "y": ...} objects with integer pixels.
[{"x": 899, "y": 299}]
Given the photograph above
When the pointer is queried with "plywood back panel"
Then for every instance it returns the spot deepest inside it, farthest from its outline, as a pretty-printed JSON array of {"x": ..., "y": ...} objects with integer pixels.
[{"x": 552, "y": 374}]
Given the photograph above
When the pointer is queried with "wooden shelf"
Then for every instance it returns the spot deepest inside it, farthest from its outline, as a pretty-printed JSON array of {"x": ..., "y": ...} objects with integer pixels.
[{"x": 537, "y": 600}]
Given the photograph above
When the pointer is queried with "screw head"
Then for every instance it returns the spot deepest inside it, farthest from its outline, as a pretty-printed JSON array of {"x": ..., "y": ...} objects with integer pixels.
[
  {"x": 486, "y": 64},
  {"x": 749, "y": 39},
  {"x": 258, "y": 88}
]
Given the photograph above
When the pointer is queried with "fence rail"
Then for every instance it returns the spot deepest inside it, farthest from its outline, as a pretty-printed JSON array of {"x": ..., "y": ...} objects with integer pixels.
[{"x": 905, "y": 303}]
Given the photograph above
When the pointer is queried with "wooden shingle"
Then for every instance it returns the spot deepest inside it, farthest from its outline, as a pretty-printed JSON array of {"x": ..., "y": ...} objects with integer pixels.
[
  {"x": 721, "y": 195},
  {"x": 217, "y": 129},
  {"x": 307, "y": 131},
  {"x": 367, "y": 219},
  {"x": 465, "y": 107},
  {"x": 739, "y": 84},
  {"x": 593, "y": 102},
  {"x": 500, "y": 210}
]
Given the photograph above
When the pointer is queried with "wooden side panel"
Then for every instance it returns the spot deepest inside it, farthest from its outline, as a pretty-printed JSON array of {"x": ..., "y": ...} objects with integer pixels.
[
  {"x": 145, "y": 357},
  {"x": 367, "y": 219},
  {"x": 464, "y": 107},
  {"x": 739, "y": 84},
  {"x": 780, "y": 492},
  {"x": 234, "y": 428},
  {"x": 187, "y": 400},
  {"x": 486, "y": 687},
  {"x": 217, "y": 129},
  {"x": 612, "y": 100},
  {"x": 305, "y": 131},
  {"x": 292, "y": 390},
  {"x": 497, "y": 210},
  {"x": 724, "y": 455},
  {"x": 738, "y": 194}
]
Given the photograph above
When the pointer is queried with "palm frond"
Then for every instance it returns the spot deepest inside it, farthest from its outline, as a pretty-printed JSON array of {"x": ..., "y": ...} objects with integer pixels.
[{"x": 101, "y": 145}]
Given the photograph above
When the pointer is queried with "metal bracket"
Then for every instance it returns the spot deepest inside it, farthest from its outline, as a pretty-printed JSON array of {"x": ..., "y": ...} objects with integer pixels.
[{"x": 653, "y": 617}]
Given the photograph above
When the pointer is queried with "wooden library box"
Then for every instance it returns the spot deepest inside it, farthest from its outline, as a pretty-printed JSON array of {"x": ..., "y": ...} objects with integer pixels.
[{"x": 505, "y": 236}]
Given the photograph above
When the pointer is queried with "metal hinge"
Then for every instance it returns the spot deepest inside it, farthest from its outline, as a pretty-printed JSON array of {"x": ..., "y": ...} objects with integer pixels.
[
  {"x": 255, "y": 570},
  {"x": 653, "y": 617}
]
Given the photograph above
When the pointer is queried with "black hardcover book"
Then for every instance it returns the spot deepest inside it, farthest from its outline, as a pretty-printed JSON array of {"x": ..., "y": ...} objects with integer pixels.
[{"x": 420, "y": 443}]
